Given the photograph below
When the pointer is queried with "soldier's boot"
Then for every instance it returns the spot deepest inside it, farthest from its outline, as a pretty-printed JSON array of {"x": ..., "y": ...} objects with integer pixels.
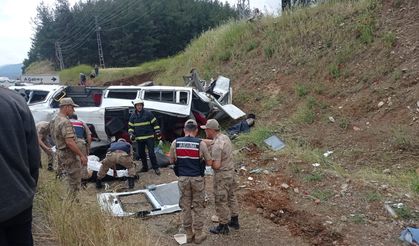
[
  {"x": 50, "y": 168},
  {"x": 131, "y": 182},
  {"x": 234, "y": 222},
  {"x": 99, "y": 184},
  {"x": 189, "y": 235},
  {"x": 200, "y": 236},
  {"x": 220, "y": 229}
]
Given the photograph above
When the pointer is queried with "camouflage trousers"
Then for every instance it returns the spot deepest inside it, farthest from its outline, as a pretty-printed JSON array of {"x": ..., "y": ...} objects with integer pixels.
[
  {"x": 69, "y": 167},
  {"x": 82, "y": 145},
  {"x": 192, "y": 198},
  {"x": 50, "y": 157},
  {"x": 225, "y": 187},
  {"x": 113, "y": 158}
]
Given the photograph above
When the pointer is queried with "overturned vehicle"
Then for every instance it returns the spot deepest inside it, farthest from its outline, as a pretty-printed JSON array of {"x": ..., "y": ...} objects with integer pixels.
[{"x": 107, "y": 110}]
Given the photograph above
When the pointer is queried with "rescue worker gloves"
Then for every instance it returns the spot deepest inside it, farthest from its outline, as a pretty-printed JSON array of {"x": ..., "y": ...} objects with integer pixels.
[{"x": 157, "y": 134}]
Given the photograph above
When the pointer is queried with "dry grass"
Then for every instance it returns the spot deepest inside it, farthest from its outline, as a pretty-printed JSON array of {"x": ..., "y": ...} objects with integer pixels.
[{"x": 82, "y": 223}]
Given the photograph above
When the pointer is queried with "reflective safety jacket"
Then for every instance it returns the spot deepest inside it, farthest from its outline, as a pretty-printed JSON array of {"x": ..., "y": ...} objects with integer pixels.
[
  {"x": 188, "y": 161},
  {"x": 79, "y": 129},
  {"x": 143, "y": 125}
]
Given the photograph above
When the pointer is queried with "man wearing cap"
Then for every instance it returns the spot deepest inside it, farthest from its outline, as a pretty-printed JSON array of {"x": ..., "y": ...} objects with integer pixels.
[
  {"x": 69, "y": 156},
  {"x": 142, "y": 127},
  {"x": 186, "y": 153},
  {"x": 225, "y": 185},
  {"x": 119, "y": 152},
  {"x": 44, "y": 135}
]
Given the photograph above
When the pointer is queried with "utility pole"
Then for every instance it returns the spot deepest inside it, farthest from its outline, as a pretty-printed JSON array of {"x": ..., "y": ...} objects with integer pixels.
[
  {"x": 99, "y": 45},
  {"x": 243, "y": 6},
  {"x": 59, "y": 54}
]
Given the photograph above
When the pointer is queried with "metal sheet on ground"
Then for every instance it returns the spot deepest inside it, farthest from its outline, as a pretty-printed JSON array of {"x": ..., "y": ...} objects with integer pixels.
[
  {"x": 167, "y": 194},
  {"x": 161, "y": 198}
]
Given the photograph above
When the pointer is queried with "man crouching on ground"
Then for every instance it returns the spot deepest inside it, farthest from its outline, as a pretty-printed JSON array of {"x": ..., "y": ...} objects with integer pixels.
[
  {"x": 119, "y": 152},
  {"x": 186, "y": 153},
  {"x": 225, "y": 185}
]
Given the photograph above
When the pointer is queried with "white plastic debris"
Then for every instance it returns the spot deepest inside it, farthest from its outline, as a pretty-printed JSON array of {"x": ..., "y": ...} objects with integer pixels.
[
  {"x": 380, "y": 104},
  {"x": 328, "y": 153},
  {"x": 250, "y": 178},
  {"x": 331, "y": 119},
  {"x": 180, "y": 238},
  {"x": 391, "y": 211},
  {"x": 214, "y": 218},
  {"x": 316, "y": 164}
]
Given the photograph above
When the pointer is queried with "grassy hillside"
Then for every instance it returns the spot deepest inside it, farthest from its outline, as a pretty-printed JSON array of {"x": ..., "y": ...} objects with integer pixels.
[{"x": 336, "y": 76}]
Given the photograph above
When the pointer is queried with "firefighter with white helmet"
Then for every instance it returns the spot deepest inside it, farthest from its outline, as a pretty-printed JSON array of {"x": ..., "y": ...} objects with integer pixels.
[{"x": 142, "y": 127}]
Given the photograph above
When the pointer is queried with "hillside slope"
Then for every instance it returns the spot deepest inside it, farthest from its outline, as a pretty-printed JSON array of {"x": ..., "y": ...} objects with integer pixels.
[
  {"x": 342, "y": 76},
  {"x": 354, "y": 61}
]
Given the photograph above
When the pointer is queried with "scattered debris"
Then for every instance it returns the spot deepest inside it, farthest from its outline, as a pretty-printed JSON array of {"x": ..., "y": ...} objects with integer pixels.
[
  {"x": 274, "y": 142},
  {"x": 214, "y": 218},
  {"x": 262, "y": 170},
  {"x": 250, "y": 178},
  {"x": 285, "y": 186},
  {"x": 328, "y": 153},
  {"x": 356, "y": 128},
  {"x": 316, "y": 164},
  {"x": 331, "y": 119},
  {"x": 296, "y": 190},
  {"x": 380, "y": 104},
  {"x": 343, "y": 188},
  {"x": 387, "y": 171},
  {"x": 398, "y": 205},
  {"x": 180, "y": 238},
  {"x": 391, "y": 211}
]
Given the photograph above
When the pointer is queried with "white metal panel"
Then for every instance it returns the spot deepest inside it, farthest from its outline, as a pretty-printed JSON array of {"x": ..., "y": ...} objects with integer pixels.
[
  {"x": 231, "y": 110},
  {"x": 94, "y": 116}
]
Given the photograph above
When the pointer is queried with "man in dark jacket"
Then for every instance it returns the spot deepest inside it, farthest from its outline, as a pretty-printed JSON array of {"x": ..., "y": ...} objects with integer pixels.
[
  {"x": 143, "y": 127},
  {"x": 19, "y": 163},
  {"x": 242, "y": 126}
]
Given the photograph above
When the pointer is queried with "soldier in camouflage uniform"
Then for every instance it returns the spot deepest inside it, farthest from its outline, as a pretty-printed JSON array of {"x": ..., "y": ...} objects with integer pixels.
[
  {"x": 69, "y": 156},
  {"x": 42, "y": 129},
  {"x": 84, "y": 140},
  {"x": 186, "y": 153},
  {"x": 225, "y": 185}
]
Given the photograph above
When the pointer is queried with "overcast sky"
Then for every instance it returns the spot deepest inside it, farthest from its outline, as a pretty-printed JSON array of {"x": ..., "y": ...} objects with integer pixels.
[{"x": 16, "y": 28}]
